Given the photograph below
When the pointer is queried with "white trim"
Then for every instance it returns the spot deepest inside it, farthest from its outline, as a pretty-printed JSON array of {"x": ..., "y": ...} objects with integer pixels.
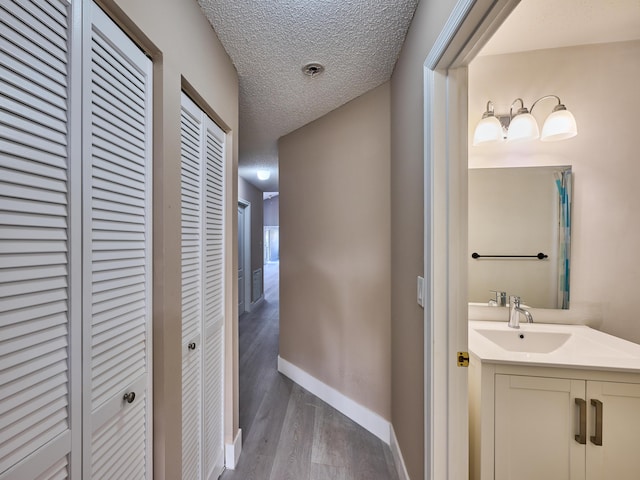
[
  {"x": 398, "y": 459},
  {"x": 436, "y": 319},
  {"x": 364, "y": 417},
  {"x": 246, "y": 205},
  {"x": 232, "y": 451},
  {"x": 450, "y": 29},
  {"x": 75, "y": 242}
]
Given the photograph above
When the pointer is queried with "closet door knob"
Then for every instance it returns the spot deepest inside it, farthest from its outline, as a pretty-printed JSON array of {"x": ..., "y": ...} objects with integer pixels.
[
  {"x": 192, "y": 346},
  {"x": 129, "y": 397}
]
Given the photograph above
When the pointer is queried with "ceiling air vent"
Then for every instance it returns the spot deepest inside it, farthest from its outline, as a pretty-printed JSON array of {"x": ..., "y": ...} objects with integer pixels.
[{"x": 313, "y": 69}]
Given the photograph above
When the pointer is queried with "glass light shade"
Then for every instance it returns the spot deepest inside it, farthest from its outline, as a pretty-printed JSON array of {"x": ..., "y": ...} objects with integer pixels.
[
  {"x": 488, "y": 130},
  {"x": 523, "y": 127},
  {"x": 263, "y": 174},
  {"x": 558, "y": 126}
]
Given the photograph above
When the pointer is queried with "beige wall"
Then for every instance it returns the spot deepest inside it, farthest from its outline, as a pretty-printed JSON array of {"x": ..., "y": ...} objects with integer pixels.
[
  {"x": 272, "y": 211},
  {"x": 335, "y": 247},
  {"x": 176, "y": 35},
  {"x": 407, "y": 231},
  {"x": 599, "y": 84},
  {"x": 251, "y": 194}
]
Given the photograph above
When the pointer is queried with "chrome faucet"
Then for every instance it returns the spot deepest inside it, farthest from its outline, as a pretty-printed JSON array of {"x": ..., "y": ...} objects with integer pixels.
[
  {"x": 514, "y": 312},
  {"x": 499, "y": 299}
]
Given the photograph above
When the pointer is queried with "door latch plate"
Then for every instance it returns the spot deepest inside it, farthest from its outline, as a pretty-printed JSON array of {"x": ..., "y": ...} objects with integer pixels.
[{"x": 463, "y": 359}]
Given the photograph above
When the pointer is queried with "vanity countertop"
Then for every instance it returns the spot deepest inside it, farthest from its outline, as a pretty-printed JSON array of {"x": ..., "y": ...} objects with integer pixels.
[{"x": 537, "y": 344}]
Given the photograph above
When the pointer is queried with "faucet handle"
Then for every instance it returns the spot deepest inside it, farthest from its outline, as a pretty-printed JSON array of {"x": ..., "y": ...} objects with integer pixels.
[
  {"x": 500, "y": 298},
  {"x": 514, "y": 301}
]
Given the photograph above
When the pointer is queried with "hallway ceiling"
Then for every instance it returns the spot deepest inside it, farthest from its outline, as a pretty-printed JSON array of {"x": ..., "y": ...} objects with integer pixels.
[{"x": 269, "y": 42}]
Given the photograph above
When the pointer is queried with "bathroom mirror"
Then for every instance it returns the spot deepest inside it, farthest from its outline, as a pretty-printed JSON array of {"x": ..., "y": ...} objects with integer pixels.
[{"x": 515, "y": 214}]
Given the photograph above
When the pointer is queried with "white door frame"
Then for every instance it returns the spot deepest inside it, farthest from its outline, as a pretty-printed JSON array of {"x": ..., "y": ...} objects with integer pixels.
[
  {"x": 469, "y": 26},
  {"x": 248, "y": 274}
]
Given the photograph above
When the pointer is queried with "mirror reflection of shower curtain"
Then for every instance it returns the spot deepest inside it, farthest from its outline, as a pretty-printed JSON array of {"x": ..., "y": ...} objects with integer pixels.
[
  {"x": 564, "y": 184},
  {"x": 271, "y": 244}
]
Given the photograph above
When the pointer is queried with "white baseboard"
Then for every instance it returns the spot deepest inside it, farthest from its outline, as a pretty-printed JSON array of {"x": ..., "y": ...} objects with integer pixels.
[
  {"x": 397, "y": 456},
  {"x": 232, "y": 451},
  {"x": 356, "y": 412}
]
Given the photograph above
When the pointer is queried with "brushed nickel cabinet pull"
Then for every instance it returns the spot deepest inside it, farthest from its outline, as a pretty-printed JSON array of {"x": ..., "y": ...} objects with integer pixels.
[
  {"x": 597, "y": 438},
  {"x": 581, "y": 438}
]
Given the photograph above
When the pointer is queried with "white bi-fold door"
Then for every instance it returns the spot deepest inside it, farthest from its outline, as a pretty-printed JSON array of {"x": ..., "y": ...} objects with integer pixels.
[
  {"x": 117, "y": 252},
  {"x": 202, "y": 187},
  {"x": 75, "y": 245}
]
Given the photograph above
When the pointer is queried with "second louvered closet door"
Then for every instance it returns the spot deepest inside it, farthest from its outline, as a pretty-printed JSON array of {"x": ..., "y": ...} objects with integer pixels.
[
  {"x": 117, "y": 253},
  {"x": 202, "y": 182}
]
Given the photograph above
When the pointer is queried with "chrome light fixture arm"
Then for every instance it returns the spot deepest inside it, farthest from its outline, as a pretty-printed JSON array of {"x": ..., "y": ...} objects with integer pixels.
[
  {"x": 559, "y": 106},
  {"x": 522, "y": 108}
]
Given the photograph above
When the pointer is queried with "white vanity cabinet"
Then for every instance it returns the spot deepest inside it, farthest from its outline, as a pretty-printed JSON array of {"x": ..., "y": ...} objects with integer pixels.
[{"x": 532, "y": 422}]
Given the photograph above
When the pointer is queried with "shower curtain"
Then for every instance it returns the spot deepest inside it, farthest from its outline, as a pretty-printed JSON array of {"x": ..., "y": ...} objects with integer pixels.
[{"x": 564, "y": 184}]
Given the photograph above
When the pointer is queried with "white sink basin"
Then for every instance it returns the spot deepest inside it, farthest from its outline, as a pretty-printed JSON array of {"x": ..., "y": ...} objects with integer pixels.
[
  {"x": 575, "y": 346},
  {"x": 526, "y": 341}
]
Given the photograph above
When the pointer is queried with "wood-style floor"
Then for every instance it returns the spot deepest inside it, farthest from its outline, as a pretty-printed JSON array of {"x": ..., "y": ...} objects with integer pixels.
[{"x": 288, "y": 433}]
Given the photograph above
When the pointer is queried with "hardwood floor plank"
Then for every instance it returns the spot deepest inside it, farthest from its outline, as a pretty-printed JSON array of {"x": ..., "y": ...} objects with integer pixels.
[
  {"x": 293, "y": 459},
  {"x": 368, "y": 458},
  {"x": 332, "y": 434},
  {"x": 328, "y": 472}
]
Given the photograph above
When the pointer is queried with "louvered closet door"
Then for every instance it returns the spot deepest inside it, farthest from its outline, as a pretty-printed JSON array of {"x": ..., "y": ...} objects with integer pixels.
[
  {"x": 202, "y": 143},
  {"x": 214, "y": 301},
  {"x": 191, "y": 145},
  {"x": 117, "y": 252},
  {"x": 39, "y": 253}
]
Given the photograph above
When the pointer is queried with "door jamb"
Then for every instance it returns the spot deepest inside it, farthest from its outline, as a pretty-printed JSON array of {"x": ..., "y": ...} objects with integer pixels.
[
  {"x": 469, "y": 26},
  {"x": 246, "y": 205}
]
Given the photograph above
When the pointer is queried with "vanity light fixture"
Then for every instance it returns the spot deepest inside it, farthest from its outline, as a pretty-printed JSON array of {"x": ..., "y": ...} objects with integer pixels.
[
  {"x": 489, "y": 129},
  {"x": 263, "y": 174},
  {"x": 521, "y": 125}
]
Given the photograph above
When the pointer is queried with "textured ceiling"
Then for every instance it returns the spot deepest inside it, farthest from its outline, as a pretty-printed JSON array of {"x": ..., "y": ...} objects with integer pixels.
[{"x": 357, "y": 41}]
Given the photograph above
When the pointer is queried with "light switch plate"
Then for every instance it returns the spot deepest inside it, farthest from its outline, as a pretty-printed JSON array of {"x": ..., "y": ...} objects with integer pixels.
[{"x": 421, "y": 291}]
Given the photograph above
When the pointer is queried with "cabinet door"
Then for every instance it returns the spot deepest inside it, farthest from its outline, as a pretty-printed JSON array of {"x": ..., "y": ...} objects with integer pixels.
[
  {"x": 617, "y": 457},
  {"x": 117, "y": 251},
  {"x": 536, "y": 420}
]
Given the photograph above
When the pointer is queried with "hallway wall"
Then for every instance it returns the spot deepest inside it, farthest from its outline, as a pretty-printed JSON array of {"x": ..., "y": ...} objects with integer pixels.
[
  {"x": 407, "y": 231},
  {"x": 272, "y": 211},
  {"x": 335, "y": 250},
  {"x": 175, "y": 34}
]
